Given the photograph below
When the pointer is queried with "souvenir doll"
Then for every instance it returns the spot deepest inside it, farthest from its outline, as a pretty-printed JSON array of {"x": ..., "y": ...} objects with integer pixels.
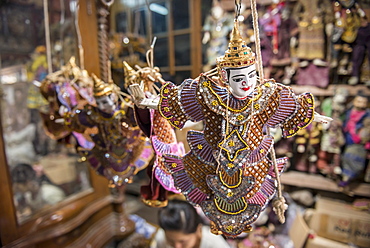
[
  {"x": 313, "y": 17},
  {"x": 347, "y": 21},
  {"x": 228, "y": 171},
  {"x": 270, "y": 23},
  {"x": 216, "y": 29},
  {"x": 161, "y": 134},
  {"x": 357, "y": 143},
  {"x": 120, "y": 150},
  {"x": 361, "y": 48},
  {"x": 332, "y": 140},
  {"x": 306, "y": 148}
]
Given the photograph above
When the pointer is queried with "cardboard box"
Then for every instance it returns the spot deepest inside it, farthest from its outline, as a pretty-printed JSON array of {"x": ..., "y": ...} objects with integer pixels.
[
  {"x": 339, "y": 221},
  {"x": 303, "y": 236}
]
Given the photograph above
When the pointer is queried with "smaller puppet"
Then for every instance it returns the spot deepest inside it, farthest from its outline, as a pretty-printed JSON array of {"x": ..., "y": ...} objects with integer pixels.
[
  {"x": 71, "y": 87},
  {"x": 160, "y": 132},
  {"x": 120, "y": 149}
]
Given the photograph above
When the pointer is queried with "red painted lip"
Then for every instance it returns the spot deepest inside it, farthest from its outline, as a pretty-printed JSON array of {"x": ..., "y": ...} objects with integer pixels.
[{"x": 246, "y": 88}]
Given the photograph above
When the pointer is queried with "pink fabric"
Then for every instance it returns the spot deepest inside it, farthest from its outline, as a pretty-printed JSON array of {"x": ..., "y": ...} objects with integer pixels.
[{"x": 354, "y": 118}]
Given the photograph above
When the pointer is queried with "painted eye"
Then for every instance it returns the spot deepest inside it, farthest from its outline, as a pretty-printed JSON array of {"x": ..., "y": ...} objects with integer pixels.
[
  {"x": 237, "y": 80},
  {"x": 252, "y": 75}
]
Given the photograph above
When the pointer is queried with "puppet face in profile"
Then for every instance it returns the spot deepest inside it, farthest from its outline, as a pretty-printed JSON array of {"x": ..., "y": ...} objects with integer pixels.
[
  {"x": 106, "y": 104},
  {"x": 242, "y": 81}
]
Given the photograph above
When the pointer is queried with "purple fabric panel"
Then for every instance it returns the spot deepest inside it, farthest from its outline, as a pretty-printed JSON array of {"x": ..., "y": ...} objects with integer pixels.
[
  {"x": 286, "y": 107},
  {"x": 189, "y": 100}
]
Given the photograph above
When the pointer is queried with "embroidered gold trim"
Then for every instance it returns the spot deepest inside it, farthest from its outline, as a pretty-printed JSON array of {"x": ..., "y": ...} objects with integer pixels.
[
  {"x": 236, "y": 153},
  {"x": 229, "y": 186},
  {"x": 259, "y": 94},
  {"x": 231, "y": 213}
]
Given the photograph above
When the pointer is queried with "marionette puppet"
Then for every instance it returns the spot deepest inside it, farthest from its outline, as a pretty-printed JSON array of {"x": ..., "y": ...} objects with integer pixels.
[
  {"x": 230, "y": 170},
  {"x": 70, "y": 87},
  {"x": 120, "y": 149},
  {"x": 160, "y": 132}
]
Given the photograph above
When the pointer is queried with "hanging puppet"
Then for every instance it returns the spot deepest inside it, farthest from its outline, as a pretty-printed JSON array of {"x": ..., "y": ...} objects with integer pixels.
[
  {"x": 120, "y": 150},
  {"x": 228, "y": 171},
  {"x": 161, "y": 133},
  {"x": 70, "y": 87},
  {"x": 348, "y": 16}
]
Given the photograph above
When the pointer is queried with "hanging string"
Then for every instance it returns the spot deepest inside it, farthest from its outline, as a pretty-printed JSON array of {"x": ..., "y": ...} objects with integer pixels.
[
  {"x": 79, "y": 39},
  {"x": 150, "y": 54},
  {"x": 238, "y": 7},
  {"x": 279, "y": 205},
  {"x": 150, "y": 20},
  {"x": 47, "y": 36},
  {"x": 257, "y": 38}
]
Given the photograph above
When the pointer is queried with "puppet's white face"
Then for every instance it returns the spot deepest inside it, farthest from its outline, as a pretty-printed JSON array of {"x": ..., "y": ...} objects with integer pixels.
[
  {"x": 242, "y": 81},
  {"x": 106, "y": 104}
]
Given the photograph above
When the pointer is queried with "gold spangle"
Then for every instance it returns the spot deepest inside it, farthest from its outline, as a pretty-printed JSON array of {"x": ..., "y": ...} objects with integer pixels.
[
  {"x": 174, "y": 165},
  {"x": 199, "y": 146},
  {"x": 229, "y": 228}
]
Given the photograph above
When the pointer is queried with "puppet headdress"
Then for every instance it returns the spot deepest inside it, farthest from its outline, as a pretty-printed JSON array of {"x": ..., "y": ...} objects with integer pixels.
[
  {"x": 100, "y": 87},
  {"x": 238, "y": 53}
]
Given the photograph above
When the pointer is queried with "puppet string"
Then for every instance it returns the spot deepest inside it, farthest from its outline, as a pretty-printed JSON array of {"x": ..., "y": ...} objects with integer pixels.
[
  {"x": 47, "y": 36},
  {"x": 257, "y": 38},
  {"x": 79, "y": 39},
  {"x": 279, "y": 203}
]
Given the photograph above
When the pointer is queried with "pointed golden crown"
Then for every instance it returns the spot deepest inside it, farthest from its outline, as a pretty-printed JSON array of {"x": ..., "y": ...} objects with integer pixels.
[
  {"x": 100, "y": 87},
  {"x": 238, "y": 53},
  {"x": 130, "y": 74}
]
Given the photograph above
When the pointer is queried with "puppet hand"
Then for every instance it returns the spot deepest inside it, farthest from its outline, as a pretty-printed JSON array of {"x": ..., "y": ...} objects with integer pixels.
[
  {"x": 63, "y": 110},
  {"x": 139, "y": 98},
  {"x": 137, "y": 93},
  {"x": 321, "y": 118}
]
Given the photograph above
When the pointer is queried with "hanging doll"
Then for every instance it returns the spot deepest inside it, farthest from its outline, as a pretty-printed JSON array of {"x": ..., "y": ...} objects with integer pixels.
[
  {"x": 228, "y": 172},
  {"x": 120, "y": 150},
  {"x": 357, "y": 144},
  {"x": 71, "y": 87},
  {"x": 348, "y": 15},
  {"x": 270, "y": 22},
  {"x": 361, "y": 48},
  {"x": 161, "y": 134},
  {"x": 313, "y": 17},
  {"x": 216, "y": 29},
  {"x": 332, "y": 140}
]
